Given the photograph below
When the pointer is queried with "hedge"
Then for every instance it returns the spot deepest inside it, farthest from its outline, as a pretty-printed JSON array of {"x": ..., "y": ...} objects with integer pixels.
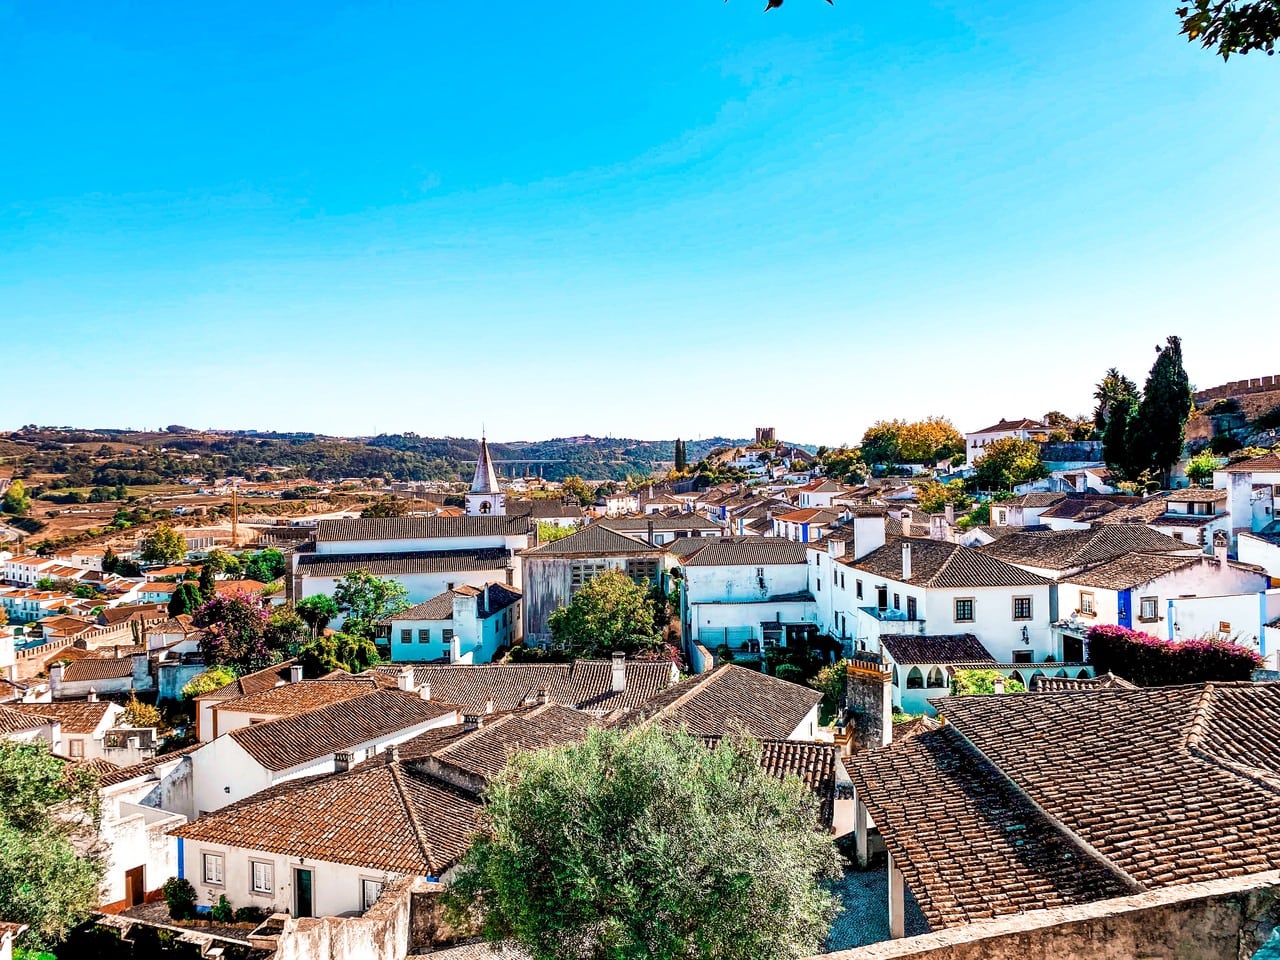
[{"x": 1149, "y": 661}]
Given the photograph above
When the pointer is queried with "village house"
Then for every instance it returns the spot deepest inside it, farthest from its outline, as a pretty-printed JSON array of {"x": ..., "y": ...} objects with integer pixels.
[
  {"x": 1253, "y": 505},
  {"x": 1057, "y": 554},
  {"x": 663, "y": 528},
  {"x": 1193, "y": 515},
  {"x": 806, "y": 525},
  {"x": 1187, "y": 794},
  {"x": 976, "y": 442},
  {"x": 820, "y": 493},
  {"x": 923, "y": 666},
  {"x": 266, "y": 679},
  {"x": 554, "y": 572},
  {"x": 105, "y": 676},
  {"x": 464, "y": 625}
]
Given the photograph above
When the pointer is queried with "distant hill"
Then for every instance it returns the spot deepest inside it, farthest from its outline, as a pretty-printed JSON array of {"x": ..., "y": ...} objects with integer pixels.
[{"x": 101, "y": 457}]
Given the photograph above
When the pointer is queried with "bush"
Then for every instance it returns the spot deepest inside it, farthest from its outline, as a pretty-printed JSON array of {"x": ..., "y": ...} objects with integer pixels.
[
  {"x": 1149, "y": 661},
  {"x": 215, "y": 678},
  {"x": 222, "y": 912},
  {"x": 139, "y": 714},
  {"x": 724, "y": 654},
  {"x": 790, "y": 673},
  {"x": 250, "y": 915},
  {"x": 180, "y": 895},
  {"x": 968, "y": 683}
]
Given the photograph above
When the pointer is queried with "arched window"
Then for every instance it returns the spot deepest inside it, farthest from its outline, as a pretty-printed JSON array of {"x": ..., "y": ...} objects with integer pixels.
[
  {"x": 1061, "y": 673},
  {"x": 485, "y": 506},
  {"x": 896, "y": 682},
  {"x": 937, "y": 679},
  {"x": 1082, "y": 675},
  {"x": 915, "y": 679},
  {"x": 1017, "y": 675}
]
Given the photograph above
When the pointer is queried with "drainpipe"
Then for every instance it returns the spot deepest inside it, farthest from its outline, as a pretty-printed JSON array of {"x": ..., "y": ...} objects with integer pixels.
[{"x": 1169, "y": 621}]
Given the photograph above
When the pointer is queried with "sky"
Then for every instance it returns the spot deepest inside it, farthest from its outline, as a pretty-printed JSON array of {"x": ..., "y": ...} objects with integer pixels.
[{"x": 683, "y": 218}]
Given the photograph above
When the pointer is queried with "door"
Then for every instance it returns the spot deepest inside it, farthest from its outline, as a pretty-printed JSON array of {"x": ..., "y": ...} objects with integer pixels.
[
  {"x": 1072, "y": 649},
  {"x": 302, "y": 893},
  {"x": 135, "y": 889}
]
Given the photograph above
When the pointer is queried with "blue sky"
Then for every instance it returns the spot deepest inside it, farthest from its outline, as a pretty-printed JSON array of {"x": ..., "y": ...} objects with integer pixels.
[{"x": 638, "y": 219}]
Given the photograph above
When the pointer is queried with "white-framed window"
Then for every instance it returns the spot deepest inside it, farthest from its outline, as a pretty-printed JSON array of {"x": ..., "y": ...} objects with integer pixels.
[
  {"x": 76, "y": 749},
  {"x": 212, "y": 864},
  {"x": 370, "y": 891},
  {"x": 1148, "y": 609},
  {"x": 262, "y": 876},
  {"x": 1087, "y": 606}
]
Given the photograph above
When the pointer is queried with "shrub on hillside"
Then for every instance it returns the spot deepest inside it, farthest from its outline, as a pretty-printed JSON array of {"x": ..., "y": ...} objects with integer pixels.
[{"x": 1149, "y": 661}]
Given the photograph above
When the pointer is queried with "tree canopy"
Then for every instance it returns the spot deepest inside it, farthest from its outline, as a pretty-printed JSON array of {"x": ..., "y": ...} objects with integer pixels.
[
  {"x": 15, "y": 499},
  {"x": 1230, "y": 26},
  {"x": 316, "y": 611},
  {"x": 645, "y": 843},
  {"x": 1143, "y": 434},
  {"x": 367, "y": 600},
  {"x": 337, "y": 651},
  {"x": 264, "y": 566},
  {"x": 1007, "y": 462},
  {"x": 611, "y": 613},
  {"x": 164, "y": 545},
  {"x": 50, "y": 866},
  {"x": 215, "y": 678},
  {"x": 185, "y": 599},
  {"x": 893, "y": 442},
  {"x": 239, "y": 633}
]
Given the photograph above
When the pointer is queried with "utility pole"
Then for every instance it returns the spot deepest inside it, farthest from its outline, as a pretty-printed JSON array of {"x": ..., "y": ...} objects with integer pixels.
[{"x": 235, "y": 515}]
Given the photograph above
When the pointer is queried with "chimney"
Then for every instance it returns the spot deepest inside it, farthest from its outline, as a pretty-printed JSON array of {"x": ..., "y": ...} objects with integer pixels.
[
  {"x": 470, "y": 721},
  {"x": 393, "y": 754},
  {"x": 949, "y": 511},
  {"x": 906, "y": 522},
  {"x": 405, "y": 679},
  {"x": 425, "y": 691},
  {"x": 619, "y": 672},
  {"x": 295, "y": 673},
  {"x": 836, "y": 548},
  {"x": 93, "y": 695},
  {"x": 997, "y": 685},
  {"x": 488, "y": 707},
  {"x": 542, "y": 696},
  {"x": 906, "y": 560},
  {"x": 650, "y": 525},
  {"x": 117, "y": 649},
  {"x": 342, "y": 761},
  {"x": 1220, "y": 548}
]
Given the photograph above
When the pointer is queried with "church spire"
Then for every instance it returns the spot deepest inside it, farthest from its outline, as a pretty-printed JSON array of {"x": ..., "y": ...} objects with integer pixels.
[{"x": 486, "y": 479}]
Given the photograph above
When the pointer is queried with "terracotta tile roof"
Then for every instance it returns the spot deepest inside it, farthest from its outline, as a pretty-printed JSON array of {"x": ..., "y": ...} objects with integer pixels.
[
  {"x": 660, "y": 521},
  {"x": 1131, "y": 570},
  {"x": 255, "y": 682},
  {"x": 1004, "y": 426},
  {"x": 593, "y": 540},
  {"x": 138, "y": 611},
  {"x": 1062, "y": 550},
  {"x": 20, "y": 721},
  {"x": 1034, "y": 500},
  {"x": 379, "y": 816},
  {"x": 437, "y": 608},
  {"x": 294, "y": 698},
  {"x": 1108, "y": 681},
  {"x": 1083, "y": 509},
  {"x": 936, "y": 563},
  {"x": 422, "y": 528},
  {"x": 685, "y": 547},
  {"x": 748, "y": 552},
  {"x": 1267, "y": 463},
  {"x": 98, "y": 668},
  {"x": 484, "y": 752},
  {"x": 98, "y": 765},
  {"x": 429, "y": 741},
  {"x": 479, "y": 951},
  {"x": 582, "y": 684},
  {"x": 1172, "y": 784},
  {"x": 291, "y": 741},
  {"x": 543, "y": 509},
  {"x": 969, "y": 844},
  {"x": 76, "y": 716},
  {"x": 1198, "y": 495},
  {"x": 728, "y": 700},
  {"x": 814, "y": 763},
  {"x": 145, "y": 767},
  {"x": 907, "y": 650},
  {"x": 386, "y": 564}
]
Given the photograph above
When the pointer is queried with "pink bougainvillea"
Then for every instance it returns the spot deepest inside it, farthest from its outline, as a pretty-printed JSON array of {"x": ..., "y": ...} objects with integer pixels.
[{"x": 1152, "y": 662}]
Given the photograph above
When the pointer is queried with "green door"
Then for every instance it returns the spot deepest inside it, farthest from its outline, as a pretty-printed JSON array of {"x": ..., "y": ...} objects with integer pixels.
[{"x": 302, "y": 893}]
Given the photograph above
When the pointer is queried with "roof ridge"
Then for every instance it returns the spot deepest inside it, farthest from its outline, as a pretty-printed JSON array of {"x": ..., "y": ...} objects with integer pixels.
[
  {"x": 428, "y": 855},
  {"x": 1197, "y": 731}
]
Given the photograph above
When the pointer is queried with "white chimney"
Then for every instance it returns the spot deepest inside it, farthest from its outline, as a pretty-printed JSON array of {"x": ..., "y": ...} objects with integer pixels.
[
  {"x": 488, "y": 707},
  {"x": 906, "y": 560},
  {"x": 425, "y": 691},
  {"x": 997, "y": 685},
  {"x": 295, "y": 673},
  {"x": 835, "y": 548},
  {"x": 949, "y": 511},
  {"x": 93, "y": 695},
  {"x": 393, "y": 753},
  {"x": 619, "y": 672},
  {"x": 405, "y": 680},
  {"x": 1220, "y": 549},
  {"x": 905, "y": 517},
  {"x": 342, "y": 761}
]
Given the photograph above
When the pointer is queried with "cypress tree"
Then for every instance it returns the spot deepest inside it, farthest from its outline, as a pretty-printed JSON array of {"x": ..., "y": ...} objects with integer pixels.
[{"x": 1159, "y": 427}]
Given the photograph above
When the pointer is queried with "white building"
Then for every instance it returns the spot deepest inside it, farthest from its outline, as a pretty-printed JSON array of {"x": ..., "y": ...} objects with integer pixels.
[
  {"x": 663, "y": 528},
  {"x": 1253, "y": 495},
  {"x": 976, "y": 442},
  {"x": 464, "y": 625},
  {"x": 485, "y": 498}
]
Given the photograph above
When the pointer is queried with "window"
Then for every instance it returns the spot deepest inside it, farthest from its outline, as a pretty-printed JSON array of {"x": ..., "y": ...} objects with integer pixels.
[
  {"x": 77, "y": 748},
  {"x": 915, "y": 679},
  {"x": 819, "y": 583},
  {"x": 1022, "y": 608},
  {"x": 642, "y": 571},
  {"x": 1148, "y": 610},
  {"x": 424, "y": 635},
  {"x": 263, "y": 876},
  {"x": 964, "y": 610},
  {"x": 370, "y": 891},
  {"x": 897, "y": 601},
  {"x": 911, "y": 608},
  {"x": 882, "y": 598},
  {"x": 583, "y": 572},
  {"x": 1022, "y": 656},
  {"x": 842, "y": 581},
  {"x": 446, "y": 636},
  {"x": 213, "y": 868},
  {"x": 1087, "y": 609},
  {"x": 937, "y": 679},
  {"x": 406, "y": 636},
  {"x": 858, "y": 587}
]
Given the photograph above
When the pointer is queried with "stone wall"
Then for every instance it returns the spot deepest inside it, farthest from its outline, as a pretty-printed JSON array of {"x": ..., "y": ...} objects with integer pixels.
[
  {"x": 1237, "y": 388},
  {"x": 1216, "y": 920},
  {"x": 404, "y": 920}
]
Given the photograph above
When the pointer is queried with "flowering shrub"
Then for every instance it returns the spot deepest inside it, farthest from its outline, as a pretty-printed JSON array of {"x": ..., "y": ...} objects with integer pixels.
[{"x": 1149, "y": 661}]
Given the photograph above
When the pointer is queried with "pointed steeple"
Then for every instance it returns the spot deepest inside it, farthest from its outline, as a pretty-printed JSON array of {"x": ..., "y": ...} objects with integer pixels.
[{"x": 486, "y": 479}]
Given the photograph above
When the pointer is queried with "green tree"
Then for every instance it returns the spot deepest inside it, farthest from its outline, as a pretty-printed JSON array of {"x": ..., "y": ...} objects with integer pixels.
[
  {"x": 316, "y": 611},
  {"x": 1113, "y": 389},
  {"x": 207, "y": 582},
  {"x": 682, "y": 457},
  {"x": 388, "y": 506},
  {"x": 235, "y": 633},
  {"x": 843, "y": 465},
  {"x": 1007, "y": 462},
  {"x": 933, "y": 496},
  {"x": 265, "y": 565},
  {"x": 215, "y": 678},
  {"x": 337, "y": 651},
  {"x": 831, "y": 681},
  {"x": 163, "y": 545},
  {"x": 50, "y": 864},
  {"x": 1200, "y": 468},
  {"x": 881, "y": 442},
  {"x": 647, "y": 844},
  {"x": 186, "y": 599},
  {"x": 139, "y": 714},
  {"x": 368, "y": 600},
  {"x": 109, "y": 561},
  {"x": 968, "y": 683},
  {"x": 575, "y": 486},
  {"x": 1232, "y": 26},
  {"x": 611, "y": 613},
  {"x": 286, "y": 630},
  {"x": 551, "y": 532},
  {"x": 1158, "y": 432},
  {"x": 16, "y": 501},
  {"x": 219, "y": 561}
]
